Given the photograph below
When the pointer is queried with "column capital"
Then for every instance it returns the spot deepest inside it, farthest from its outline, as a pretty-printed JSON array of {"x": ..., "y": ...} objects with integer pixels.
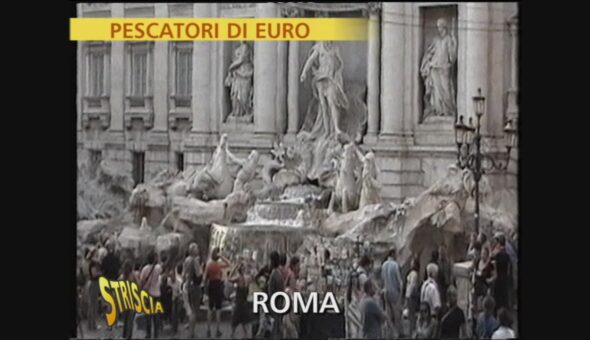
[
  {"x": 513, "y": 24},
  {"x": 374, "y": 8},
  {"x": 291, "y": 11}
]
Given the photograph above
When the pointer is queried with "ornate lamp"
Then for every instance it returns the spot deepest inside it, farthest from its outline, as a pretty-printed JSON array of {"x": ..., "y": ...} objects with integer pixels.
[{"x": 479, "y": 104}]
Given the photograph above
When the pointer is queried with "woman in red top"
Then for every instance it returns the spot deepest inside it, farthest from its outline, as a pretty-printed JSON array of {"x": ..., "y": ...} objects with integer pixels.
[{"x": 214, "y": 284}]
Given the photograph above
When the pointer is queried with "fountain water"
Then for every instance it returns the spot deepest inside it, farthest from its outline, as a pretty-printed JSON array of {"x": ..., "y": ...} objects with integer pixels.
[{"x": 280, "y": 225}]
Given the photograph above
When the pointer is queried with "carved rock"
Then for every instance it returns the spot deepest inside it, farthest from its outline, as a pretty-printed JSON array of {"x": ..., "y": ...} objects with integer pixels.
[
  {"x": 165, "y": 243},
  {"x": 104, "y": 196},
  {"x": 140, "y": 242}
]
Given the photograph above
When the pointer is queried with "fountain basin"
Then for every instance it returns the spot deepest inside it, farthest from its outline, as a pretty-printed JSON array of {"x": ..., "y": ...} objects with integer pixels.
[{"x": 262, "y": 238}]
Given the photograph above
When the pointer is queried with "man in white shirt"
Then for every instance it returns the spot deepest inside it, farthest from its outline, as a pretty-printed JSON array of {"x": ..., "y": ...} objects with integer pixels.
[
  {"x": 150, "y": 281},
  {"x": 504, "y": 331},
  {"x": 429, "y": 292}
]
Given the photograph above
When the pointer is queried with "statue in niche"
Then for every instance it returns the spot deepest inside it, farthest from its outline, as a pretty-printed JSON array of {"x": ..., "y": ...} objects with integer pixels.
[
  {"x": 327, "y": 87},
  {"x": 437, "y": 73},
  {"x": 239, "y": 80}
]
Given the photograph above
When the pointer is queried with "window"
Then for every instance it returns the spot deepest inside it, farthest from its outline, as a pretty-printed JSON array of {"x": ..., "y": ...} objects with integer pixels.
[
  {"x": 94, "y": 161},
  {"x": 139, "y": 66},
  {"x": 138, "y": 167},
  {"x": 183, "y": 60},
  {"x": 96, "y": 74},
  {"x": 139, "y": 73},
  {"x": 180, "y": 161},
  {"x": 97, "y": 65}
]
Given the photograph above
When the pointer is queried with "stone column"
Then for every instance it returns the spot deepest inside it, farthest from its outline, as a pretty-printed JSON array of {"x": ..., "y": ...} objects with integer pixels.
[
  {"x": 293, "y": 88},
  {"x": 281, "y": 87},
  {"x": 512, "y": 110},
  {"x": 293, "y": 78},
  {"x": 476, "y": 26},
  {"x": 160, "y": 75},
  {"x": 265, "y": 69},
  {"x": 117, "y": 74},
  {"x": 373, "y": 68},
  {"x": 392, "y": 69},
  {"x": 201, "y": 76}
]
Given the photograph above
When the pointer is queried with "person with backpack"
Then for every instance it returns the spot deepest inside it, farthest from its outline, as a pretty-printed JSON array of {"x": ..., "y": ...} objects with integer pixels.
[
  {"x": 413, "y": 293},
  {"x": 149, "y": 280},
  {"x": 192, "y": 283}
]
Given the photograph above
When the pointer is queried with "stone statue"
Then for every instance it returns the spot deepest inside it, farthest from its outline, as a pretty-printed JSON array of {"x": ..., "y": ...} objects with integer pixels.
[
  {"x": 239, "y": 80},
  {"x": 327, "y": 87},
  {"x": 370, "y": 187},
  {"x": 247, "y": 172},
  {"x": 214, "y": 181},
  {"x": 436, "y": 70},
  {"x": 345, "y": 195}
]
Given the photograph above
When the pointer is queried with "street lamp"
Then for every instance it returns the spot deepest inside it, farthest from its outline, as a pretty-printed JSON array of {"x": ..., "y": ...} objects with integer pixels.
[{"x": 469, "y": 154}]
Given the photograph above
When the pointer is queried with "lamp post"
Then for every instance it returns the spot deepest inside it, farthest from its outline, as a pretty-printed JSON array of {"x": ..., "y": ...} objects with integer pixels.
[{"x": 469, "y": 153}]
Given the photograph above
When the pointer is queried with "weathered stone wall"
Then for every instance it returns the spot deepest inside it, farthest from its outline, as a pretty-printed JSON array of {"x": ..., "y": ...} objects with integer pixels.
[{"x": 410, "y": 154}]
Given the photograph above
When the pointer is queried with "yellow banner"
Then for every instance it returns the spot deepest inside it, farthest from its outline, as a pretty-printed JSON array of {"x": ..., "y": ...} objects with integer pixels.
[{"x": 209, "y": 29}]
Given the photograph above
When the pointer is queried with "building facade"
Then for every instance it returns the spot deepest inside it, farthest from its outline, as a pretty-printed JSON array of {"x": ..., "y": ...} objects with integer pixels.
[{"x": 146, "y": 106}]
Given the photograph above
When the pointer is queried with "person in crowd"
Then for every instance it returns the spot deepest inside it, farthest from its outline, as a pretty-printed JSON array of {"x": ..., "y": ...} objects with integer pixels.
[
  {"x": 110, "y": 264},
  {"x": 392, "y": 285},
  {"x": 175, "y": 283},
  {"x": 293, "y": 273},
  {"x": 192, "y": 282},
  {"x": 262, "y": 277},
  {"x": 426, "y": 325},
  {"x": 429, "y": 292},
  {"x": 364, "y": 270},
  {"x": 276, "y": 283},
  {"x": 474, "y": 248},
  {"x": 214, "y": 283},
  {"x": 483, "y": 272},
  {"x": 283, "y": 269},
  {"x": 127, "y": 274},
  {"x": 504, "y": 331},
  {"x": 372, "y": 316},
  {"x": 291, "y": 320},
  {"x": 433, "y": 259},
  {"x": 150, "y": 281},
  {"x": 93, "y": 290},
  {"x": 511, "y": 249},
  {"x": 486, "y": 321},
  {"x": 165, "y": 291},
  {"x": 413, "y": 293},
  {"x": 453, "y": 324},
  {"x": 502, "y": 273},
  {"x": 290, "y": 326},
  {"x": 241, "y": 310},
  {"x": 482, "y": 239},
  {"x": 257, "y": 285},
  {"x": 445, "y": 271}
]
